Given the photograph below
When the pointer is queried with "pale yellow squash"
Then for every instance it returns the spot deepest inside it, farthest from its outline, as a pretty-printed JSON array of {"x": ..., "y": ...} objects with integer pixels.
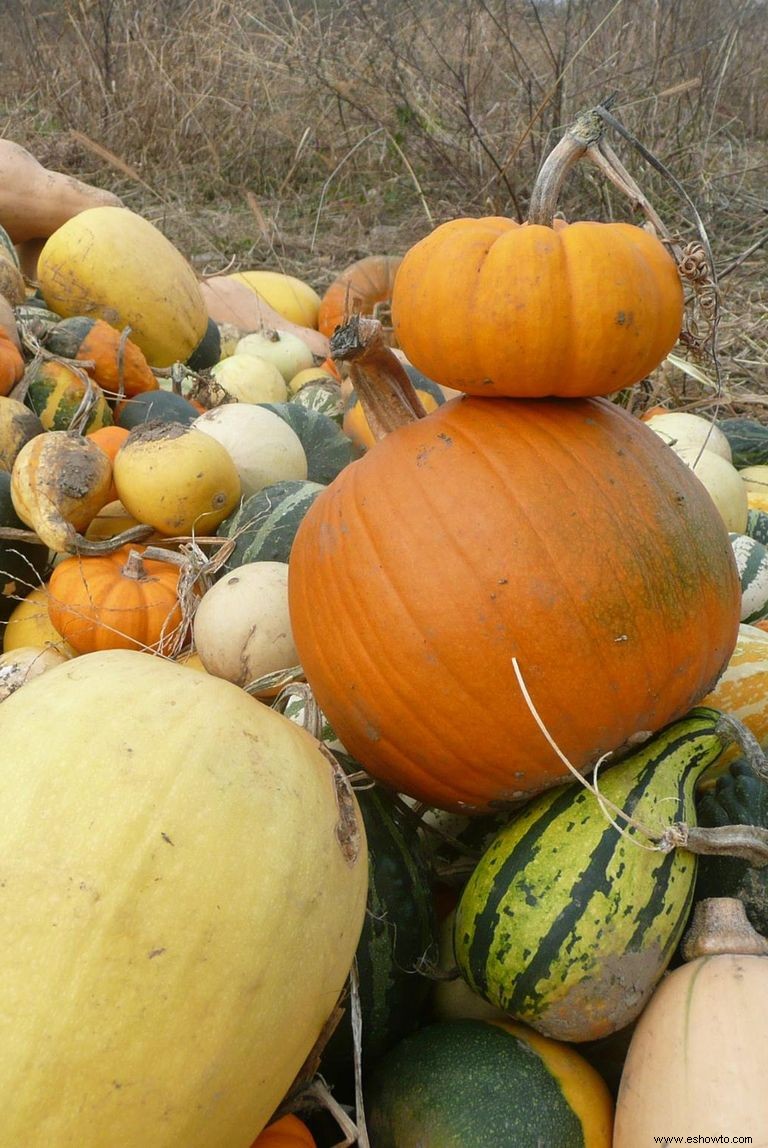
[
  {"x": 290, "y": 297},
  {"x": 184, "y": 884},
  {"x": 110, "y": 263},
  {"x": 30, "y": 625},
  {"x": 176, "y": 479}
]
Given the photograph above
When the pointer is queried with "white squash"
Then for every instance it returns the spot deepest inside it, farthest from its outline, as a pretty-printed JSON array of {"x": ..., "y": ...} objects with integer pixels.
[
  {"x": 250, "y": 379},
  {"x": 722, "y": 481},
  {"x": 242, "y": 627},
  {"x": 287, "y": 351},
  {"x": 684, "y": 431},
  {"x": 184, "y": 884},
  {"x": 755, "y": 478},
  {"x": 262, "y": 446}
]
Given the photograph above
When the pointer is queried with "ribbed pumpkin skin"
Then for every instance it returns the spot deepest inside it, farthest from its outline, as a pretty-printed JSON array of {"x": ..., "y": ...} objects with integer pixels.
[
  {"x": 476, "y": 1084},
  {"x": 358, "y": 290},
  {"x": 115, "y": 602},
  {"x": 110, "y": 263},
  {"x": 566, "y": 924},
  {"x": 165, "y": 884},
  {"x": 565, "y": 534},
  {"x": 493, "y": 308}
]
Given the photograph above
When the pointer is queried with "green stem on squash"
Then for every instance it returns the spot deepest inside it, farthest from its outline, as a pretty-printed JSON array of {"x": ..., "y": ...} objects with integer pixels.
[{"x": 386, "y": 394}]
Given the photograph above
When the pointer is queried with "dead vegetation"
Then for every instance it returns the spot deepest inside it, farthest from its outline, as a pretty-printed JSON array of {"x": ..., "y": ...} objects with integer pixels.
[{"x": 302, "y": 135}]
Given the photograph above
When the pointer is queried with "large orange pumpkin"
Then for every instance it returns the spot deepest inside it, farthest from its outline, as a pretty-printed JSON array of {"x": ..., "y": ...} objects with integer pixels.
[
  {"x": 564, "y": 534},
  {"x": 494, "y": 308}
]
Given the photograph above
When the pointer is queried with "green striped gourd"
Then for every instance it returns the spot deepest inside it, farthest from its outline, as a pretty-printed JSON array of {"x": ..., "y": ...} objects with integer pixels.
[
  {"x": 322, "y": 396},
  {"x": 752, "y": 563},
  {"x": 327, "y": 448},
  {"x": 567, "y": 923},
  {"x": 757, "y": 525},
  {"x": 263, "y": 526},
  {"x": 748, "y": 440},
  {"x": 477, "y": 1084}
]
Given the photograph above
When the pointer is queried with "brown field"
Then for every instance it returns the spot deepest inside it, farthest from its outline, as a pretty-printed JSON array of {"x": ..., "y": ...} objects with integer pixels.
[{"x": 301, "y": 136}]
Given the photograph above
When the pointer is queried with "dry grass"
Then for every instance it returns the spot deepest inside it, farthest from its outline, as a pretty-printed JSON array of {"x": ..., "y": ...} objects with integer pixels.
[{"x": 303, "y": 135}]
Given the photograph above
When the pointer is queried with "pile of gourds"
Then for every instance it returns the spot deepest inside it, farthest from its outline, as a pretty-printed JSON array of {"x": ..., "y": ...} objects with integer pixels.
[{"x": 295, "y": 627}]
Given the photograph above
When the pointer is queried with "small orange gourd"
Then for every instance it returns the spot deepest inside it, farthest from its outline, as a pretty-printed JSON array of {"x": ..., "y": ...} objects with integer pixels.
[
  {"x": 11, "y": 364},
  {"x": 287, "y": 1132},
  {"x": 110, "y": 439},
  {"x": 119, "y": 366},
  {"x": 118, "y": 601}
]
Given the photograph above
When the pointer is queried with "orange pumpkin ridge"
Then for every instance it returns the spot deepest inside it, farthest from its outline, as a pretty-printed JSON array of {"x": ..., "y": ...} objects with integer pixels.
[
  {"x": 565, "y": 534},
  {"x": 116, "y": 601}
]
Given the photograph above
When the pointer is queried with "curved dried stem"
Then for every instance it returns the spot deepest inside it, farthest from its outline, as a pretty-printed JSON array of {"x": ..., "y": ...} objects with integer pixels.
[{"x": 386, "y": 394}]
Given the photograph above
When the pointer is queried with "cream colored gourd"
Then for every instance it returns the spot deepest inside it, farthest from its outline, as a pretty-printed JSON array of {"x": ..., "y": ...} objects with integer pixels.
[
  {"x": 453, "y": 999},
  {"x": 286, "y": 351},
  {"x": 698, "y": 1058},
  {"x": 723, "y": 483},
  {"x": 176, "y": 479},
  {"x": 250, "y": 379},
  {"x": 755, "y": 478},
  {"x": 242, "y": 629},
  {"x": 59, "y": 482},
  {"x": 166, "y": 881},
  {"x": 684, "y": 431},
  {"x": 262, "y": 446}
]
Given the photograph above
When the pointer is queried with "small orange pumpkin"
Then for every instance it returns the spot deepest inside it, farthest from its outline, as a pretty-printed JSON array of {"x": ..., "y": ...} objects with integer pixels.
[
  {"x": 287, "y": 1132},
  {"x": 363, "y": 288},
  {"x": 119, "y": 601}
]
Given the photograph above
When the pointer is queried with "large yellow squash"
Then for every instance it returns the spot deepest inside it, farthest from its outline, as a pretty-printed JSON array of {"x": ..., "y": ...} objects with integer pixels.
[
  {"x": 183, "y": 886},
  {"x": 110, "y": 263}
]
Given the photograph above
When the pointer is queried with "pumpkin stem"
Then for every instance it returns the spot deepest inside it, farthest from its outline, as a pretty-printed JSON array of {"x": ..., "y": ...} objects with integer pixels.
[
  {"x": 134, "y": 568},
  {"x": 721, "y": 926},
  {"x": 584, "y": 140},
  {"x": 386, "y": 393}
]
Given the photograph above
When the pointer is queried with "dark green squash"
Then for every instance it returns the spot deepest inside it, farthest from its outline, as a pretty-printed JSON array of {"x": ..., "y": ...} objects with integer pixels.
[
  {"x": 327, "y": 448},
  {"x": 23, "y": 565},
  {"x": 398, "y": 941},
  {"x": 748, "y": 440},
  {"x": 739, "y": 797},
  {"x": 165, "y": 405},
  {"x": 264, "y": 525},
  {"x": 477, "y": 1084}
]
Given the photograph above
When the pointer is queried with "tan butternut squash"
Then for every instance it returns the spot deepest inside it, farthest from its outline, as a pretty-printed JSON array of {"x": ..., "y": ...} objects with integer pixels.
[
  {"x": 231, "y": 301},
  {"x": 34, "y": 201},
  {"x": 698, "y": 1058}
]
